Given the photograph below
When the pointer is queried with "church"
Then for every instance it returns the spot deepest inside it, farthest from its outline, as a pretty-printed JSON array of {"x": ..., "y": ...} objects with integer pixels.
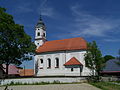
[{"x": 59, "y": 57}]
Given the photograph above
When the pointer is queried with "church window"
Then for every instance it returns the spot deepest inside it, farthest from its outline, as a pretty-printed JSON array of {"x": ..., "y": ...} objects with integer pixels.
[
  {"x": 72, "y": 69},
  {"x": 49, "y": 63},
  {"x": 41, "y": 60},
  {"x": 56, "y": 63},
  {"x": 38, "y": 33},
  {"x": 41, "y": 63},
  {"x": 38, "y": 29},
  {"x": 44, "y": 34}
]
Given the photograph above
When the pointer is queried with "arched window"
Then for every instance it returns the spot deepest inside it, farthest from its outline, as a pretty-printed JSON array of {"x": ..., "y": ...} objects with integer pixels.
[
  {"x": 38, "y": 34},
  {"x": 44, "y": 34},
  {"x": 72, "y": 69},
  {"x": 41, "y": 63},
  {"x": 49, "y": 63},
  {"x": 56, "y": 62}
]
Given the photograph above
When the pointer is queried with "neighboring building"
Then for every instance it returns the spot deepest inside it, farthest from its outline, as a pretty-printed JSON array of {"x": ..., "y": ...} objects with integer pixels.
[
  {"x": 59, "y": 57},
  {"x": 112, "y": 68},
  {"x": 12, "y": 70},
  {"x": 26, "y": 72}
]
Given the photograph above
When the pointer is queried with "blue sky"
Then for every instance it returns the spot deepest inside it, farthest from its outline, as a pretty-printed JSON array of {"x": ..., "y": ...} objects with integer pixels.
[{"x": 97, "y": 20}]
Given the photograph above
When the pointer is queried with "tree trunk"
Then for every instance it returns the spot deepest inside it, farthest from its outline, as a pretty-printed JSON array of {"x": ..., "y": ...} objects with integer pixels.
[{"x": 7, "y": 66}]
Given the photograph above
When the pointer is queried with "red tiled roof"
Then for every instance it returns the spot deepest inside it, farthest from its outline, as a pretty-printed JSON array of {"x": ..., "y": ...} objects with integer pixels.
[
  {"x": 73, "y": 61},
  {"x": 65, "y": 44},
  {"x": 26, "y": 72}
]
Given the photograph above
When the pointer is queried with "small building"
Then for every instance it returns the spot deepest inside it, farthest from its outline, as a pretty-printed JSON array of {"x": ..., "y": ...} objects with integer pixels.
[
  {"x": 59, "y": 57},
  {"x": 26, "y": 72},
  {"x": 13, "y": 71},
  {"x": 112, "y": 68}
]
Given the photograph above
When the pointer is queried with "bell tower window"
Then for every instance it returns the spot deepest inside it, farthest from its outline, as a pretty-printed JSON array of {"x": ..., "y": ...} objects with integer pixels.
[
  {"x": 38, "y": 34},
  {"x": 44, "y": 34}
]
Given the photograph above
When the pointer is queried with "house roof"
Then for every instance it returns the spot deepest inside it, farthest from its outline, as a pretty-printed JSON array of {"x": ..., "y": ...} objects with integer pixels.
[
  {"x": 73, "y": 61},
  {"x": 12, "y": 69},
  {"x": 61, "y": 45},
  {"x": 111, "y": 66},
  {"x": 26, "y": 72}
]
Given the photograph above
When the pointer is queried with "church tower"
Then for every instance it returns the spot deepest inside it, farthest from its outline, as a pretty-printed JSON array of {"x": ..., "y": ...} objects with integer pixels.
[{"x": 40, "y": 33}]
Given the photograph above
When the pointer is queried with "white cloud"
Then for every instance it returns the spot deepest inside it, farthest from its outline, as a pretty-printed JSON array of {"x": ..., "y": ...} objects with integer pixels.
[
  {"x": 46, "y": 11},
  {"x": 112, "y": 40},
  {"x": 24, "y": 8},
  {"x": 87, "y": 24},
  {"x": 43, "y": 3}
]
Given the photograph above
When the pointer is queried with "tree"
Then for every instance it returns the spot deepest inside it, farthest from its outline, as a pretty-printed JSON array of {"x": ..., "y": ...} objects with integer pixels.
[
  {"x": 108, "y": 57},
  {"x": 93, "y": 58},
  {"x": 118, "y": 55},
  {"x": 15, "y": 44}
]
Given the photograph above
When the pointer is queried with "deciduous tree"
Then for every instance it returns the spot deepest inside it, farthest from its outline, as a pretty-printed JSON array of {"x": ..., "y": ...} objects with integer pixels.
[
  {"x": 108, "y": 57},
  {"x": 93, "y": 58},
  {"x": 15, "y": 44}
]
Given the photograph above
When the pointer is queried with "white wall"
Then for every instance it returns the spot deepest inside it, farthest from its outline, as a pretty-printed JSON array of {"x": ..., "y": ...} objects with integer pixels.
[
  {"x": 39, "y": 80},
  {"x": 63, "y": 56},
  {"x": 40, "y": 37}
]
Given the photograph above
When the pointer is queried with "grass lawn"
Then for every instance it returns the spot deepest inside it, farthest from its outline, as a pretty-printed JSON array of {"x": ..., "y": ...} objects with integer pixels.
[{"x": 106, "y": 85}]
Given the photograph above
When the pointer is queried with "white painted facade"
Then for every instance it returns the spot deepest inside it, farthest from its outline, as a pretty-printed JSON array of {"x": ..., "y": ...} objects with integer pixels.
[
  {"x": 63, "y": 57},
  {"x": 40, "y": 36}
]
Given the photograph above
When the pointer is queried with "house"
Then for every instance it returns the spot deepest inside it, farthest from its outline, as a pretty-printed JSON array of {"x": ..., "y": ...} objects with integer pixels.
[
  {"x": 13, "y": 71},
  {"x": 59, "y": 57},
  {"x": 26, "y": 72},
  {"x": 112, "y": 68}
]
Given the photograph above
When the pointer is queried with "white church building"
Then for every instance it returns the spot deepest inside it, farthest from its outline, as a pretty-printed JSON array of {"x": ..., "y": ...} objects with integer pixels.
[{"x": 59, "y": 57}]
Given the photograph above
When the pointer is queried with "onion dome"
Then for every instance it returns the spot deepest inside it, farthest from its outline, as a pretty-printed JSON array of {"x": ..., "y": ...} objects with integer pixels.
[{"x": 40, "y": 23}]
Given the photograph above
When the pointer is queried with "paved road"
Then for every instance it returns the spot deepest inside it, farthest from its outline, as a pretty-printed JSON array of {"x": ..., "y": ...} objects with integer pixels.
[{"x": 83, "y": 86}]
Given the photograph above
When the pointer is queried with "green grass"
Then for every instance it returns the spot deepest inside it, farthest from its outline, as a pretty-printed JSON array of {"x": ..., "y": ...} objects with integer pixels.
[{"x": 106, "y": 85}]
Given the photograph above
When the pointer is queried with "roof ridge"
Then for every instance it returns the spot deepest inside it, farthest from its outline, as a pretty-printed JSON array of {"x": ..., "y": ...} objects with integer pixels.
[{"x": 65, "y": 39}]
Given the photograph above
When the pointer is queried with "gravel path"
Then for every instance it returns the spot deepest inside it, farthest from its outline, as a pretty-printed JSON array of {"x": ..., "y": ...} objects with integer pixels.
[{"x": 83, "y": 86}]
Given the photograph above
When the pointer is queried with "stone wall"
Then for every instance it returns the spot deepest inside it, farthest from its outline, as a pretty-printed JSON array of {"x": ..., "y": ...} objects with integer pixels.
[{"x": 39, "y": 80}]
